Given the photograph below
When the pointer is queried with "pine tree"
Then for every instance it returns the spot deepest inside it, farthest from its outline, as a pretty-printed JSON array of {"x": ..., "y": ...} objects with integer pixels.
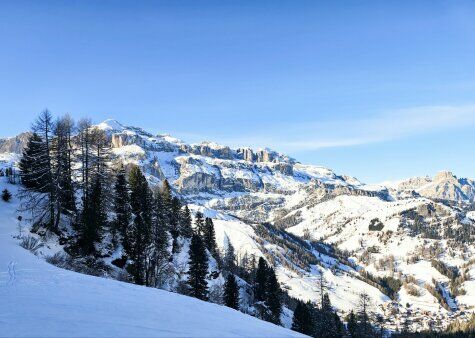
[
  {"x": 198, "y": 269},
  {"x": 6, "y": 195},
  {"x": 303, "y": 320},
  {"x": 230, "y": 259},
  {"x": 159, "y": 260},
  {"x": 186, "y": 229},
  {"x": 260, "y": 281},
  {"x": 40, "y": 198},
  {"x": 32, "y": 175},
  {"x": 364, "y": 328},
  {"x": 174, "y": 221},
  {"x": 352, "y": 325},
  {"x": 121, "y": 208},
  {"x": 328, "y": 324},
  {"x": 199, "y": 223},
  {"x": 273, "y": 299},
  {"x": 62, "y": 145},
  {"x": 140, "y": 231},
  {"x": 209, "y": 237},
  {"x": 94, "y": 219},
  {"x": 231, "y": 292}
]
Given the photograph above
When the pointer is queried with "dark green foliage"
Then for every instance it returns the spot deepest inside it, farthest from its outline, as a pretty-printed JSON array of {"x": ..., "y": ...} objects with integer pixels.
[
  {"x": 93, "y": 219},
  {"x": 140, "y": 232},
  {"x": 198, "y": 269},
  {"x": 327, "y": 322},
  {"x": 34, "y": 173},
  {"x": 209, "y": 237},
  {"x": 199, "y": 223},
  {"x": 6, "y": 195},
  {"x": 121, "y": 208},
  {"x": 185, "y": 223},
  {"x": 303, "y": 320},
  {"x": 230, "y": 259},
  {"x": 231, "y": 292},
  {"x": 174, "y": 221},
  {"x": 375, "y": 225},
  {"x": 260, "y": 281},
  {"x": 273, "y": 297}
]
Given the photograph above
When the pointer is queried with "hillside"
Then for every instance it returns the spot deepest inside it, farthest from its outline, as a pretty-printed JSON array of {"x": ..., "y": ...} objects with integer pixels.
[{"x": 39, "y": 298}]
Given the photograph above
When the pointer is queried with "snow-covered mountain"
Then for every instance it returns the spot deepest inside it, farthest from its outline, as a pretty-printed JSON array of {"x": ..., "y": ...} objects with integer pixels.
[{"x": 408, "y": 246}]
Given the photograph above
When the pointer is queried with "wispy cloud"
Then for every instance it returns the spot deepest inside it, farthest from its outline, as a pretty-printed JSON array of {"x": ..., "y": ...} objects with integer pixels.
[{"x": 386, "y": 126}]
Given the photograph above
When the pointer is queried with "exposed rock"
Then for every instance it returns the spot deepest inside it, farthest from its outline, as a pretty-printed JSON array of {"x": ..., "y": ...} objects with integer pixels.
[{"x": 14, "y": 144}]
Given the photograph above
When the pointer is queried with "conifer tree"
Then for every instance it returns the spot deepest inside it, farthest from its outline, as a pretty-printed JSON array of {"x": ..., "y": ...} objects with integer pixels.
[
  {"x": 6, "y": 195},
  {"x": 273, "y": 299},
  {"x": 230, "y": 259},
  {"x": 94, "y": 219},
  {"x": 260, "y": 281},
  {"x": 121, "y": 208},
  {"x": 198, "y": 269},
  {"x": 328, "y": 324},
  {"x": 186, "y": 229},
  {"x": 209, "y": 237},
  {"x": 352, "y": 325},
  {"x": 159, "y": 260},
  {"x": 32, "y": 174},
  {"x": 62, "y": 145},
  {"x": 199, "y": 223},
  {"x": 174, "y": 219},
  {"x": 40, "y": 197},
  {"x": 303, "y": 320},
  {"x": 140, "y": 231},
  {"x": 231, "y": 292}
]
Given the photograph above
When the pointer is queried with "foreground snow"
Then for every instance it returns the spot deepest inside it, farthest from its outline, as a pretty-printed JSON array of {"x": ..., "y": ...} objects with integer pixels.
[{"x": 40, "y": 299}]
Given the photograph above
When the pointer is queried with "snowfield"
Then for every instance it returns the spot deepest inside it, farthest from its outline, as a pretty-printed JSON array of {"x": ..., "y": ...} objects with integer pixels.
[{"x": 38, "y": 299}]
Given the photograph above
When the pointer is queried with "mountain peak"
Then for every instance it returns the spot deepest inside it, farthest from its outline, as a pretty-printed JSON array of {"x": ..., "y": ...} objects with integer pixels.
[{"x": 111, "y": 125}]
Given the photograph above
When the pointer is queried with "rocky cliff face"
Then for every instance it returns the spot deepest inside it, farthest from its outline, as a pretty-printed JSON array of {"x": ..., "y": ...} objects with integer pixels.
[
  {"x": 14, "y": 144},
  {"x": 444, "y": 186}
]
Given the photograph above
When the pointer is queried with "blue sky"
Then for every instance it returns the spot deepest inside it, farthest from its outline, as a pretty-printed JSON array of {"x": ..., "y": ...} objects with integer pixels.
[{"x": 378, "y": 90}]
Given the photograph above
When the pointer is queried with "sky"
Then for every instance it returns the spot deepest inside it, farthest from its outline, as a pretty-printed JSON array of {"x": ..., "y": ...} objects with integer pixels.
[{"x": 380, "y": 90}]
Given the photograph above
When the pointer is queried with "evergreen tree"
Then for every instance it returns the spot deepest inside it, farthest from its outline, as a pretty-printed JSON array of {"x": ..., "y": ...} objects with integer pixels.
[
  {"x": 62, "y": 145},
  {"x": 273, "y": 299},
  {"x": 186, "y": 229},
  {"x": 260, "y": 281},
  {"x": 6, "y": 195},
  {"x": 32, "y": 174},
  {"x": 231, "y": 292},
  {"x": 328, "y": 324},
  {"x": 352, "y": 325},
  {"x": 94, "y": 219},
  {"x": 159, "y": 260},
  {"x": 209, "y": 237},
  {"x": 199, "y": 223},
  {"x": 174, "y": 220},
  {"x": 198, "y": 269},
  {"x": 140, "y": 231},
  {"x": 364, "y": 328},
  {"x": 303, "y": 320},
  {"x": 230, "y": 259},
  {"x": 40, "y": 198},
  {"x": 121, "y": 208}
]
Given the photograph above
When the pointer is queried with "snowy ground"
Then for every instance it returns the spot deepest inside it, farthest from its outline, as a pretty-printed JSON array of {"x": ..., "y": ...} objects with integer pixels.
[{"x": 40, "y": 299}]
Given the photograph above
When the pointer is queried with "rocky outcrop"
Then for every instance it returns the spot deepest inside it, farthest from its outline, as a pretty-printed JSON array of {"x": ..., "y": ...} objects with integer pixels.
[{"x": 14, "y": 144}]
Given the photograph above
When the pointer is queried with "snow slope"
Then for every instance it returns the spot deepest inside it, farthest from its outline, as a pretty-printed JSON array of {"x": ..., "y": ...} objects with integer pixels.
[{"x": 40, "y": 299}]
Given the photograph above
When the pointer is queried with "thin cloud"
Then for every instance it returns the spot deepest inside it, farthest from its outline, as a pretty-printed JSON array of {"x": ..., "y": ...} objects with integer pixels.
[{"x": 350, "y": 132}]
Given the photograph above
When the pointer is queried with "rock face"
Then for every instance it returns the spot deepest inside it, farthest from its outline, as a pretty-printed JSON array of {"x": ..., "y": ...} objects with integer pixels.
[
  {"x": 14, "y": 144},
  {"x": 444, "y": 186}
]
